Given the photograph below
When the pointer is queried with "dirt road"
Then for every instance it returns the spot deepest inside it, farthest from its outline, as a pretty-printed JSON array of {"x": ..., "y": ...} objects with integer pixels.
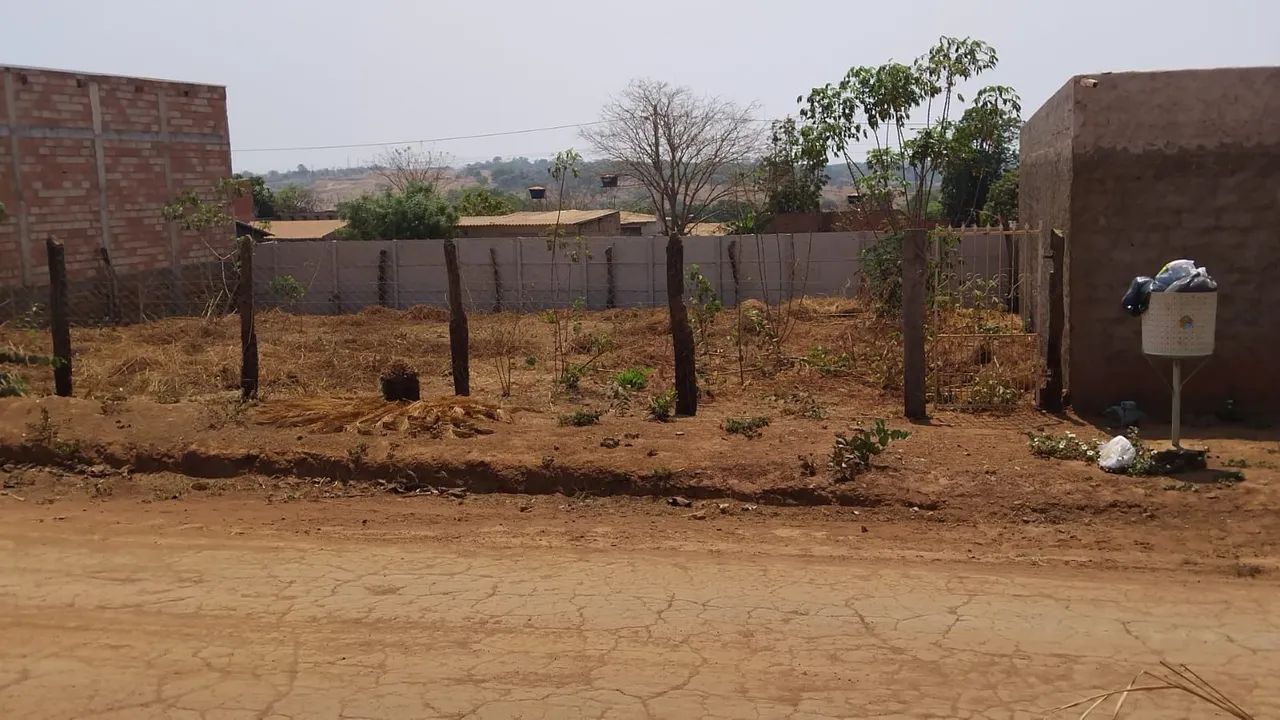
[{"x": 104, "y": 619}]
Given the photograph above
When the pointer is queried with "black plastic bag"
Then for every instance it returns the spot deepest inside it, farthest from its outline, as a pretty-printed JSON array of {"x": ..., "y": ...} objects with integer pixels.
[
  {"x": 1135, "y": 301},
  {"x": 1198, "y": 281}
]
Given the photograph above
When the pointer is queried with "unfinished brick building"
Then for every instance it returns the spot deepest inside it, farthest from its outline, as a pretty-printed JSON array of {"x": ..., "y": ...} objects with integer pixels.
[
  {"x": 92, "y": 159},
  {"x": 1140, "y": 168}
]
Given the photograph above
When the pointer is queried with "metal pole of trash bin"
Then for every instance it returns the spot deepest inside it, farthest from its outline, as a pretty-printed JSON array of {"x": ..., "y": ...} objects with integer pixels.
[{"x": 1175, "y": 423}]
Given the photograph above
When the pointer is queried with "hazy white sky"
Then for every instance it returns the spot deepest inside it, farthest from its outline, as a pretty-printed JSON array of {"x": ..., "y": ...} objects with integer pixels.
[{"x": 323, "y": 72}]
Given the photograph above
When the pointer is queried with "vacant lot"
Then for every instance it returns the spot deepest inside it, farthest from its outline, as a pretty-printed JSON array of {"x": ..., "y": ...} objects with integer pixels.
[{"x": 779, "y": 385}]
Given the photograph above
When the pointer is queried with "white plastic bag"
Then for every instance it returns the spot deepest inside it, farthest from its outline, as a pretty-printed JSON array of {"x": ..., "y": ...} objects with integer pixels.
[
  {"x": 1173, "y": 272},
  {"x": 1116, "y": 454}
]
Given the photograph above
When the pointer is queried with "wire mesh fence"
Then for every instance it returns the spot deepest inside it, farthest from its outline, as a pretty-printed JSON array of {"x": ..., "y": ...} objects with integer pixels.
[{"x": 983, "y": 352}]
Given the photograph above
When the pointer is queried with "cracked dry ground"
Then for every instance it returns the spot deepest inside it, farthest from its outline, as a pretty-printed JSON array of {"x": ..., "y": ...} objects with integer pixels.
[{"x": 221, "y": 607}]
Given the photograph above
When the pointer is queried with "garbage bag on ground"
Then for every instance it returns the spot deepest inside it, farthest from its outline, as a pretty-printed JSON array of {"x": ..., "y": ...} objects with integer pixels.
[
  {"x": 1116, "y": 454},
  {"x": 1139, "y": 296},
  {"x": 1125, "y": 414}
]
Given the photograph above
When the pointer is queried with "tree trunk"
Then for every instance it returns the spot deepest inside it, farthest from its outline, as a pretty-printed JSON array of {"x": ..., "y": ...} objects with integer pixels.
[
  {"x": 914, "y": 267},
  {"x": 248, "y": 334},
  {"x": 681, "y": 332},
  {"x": 458, "y": 340},
  {"x": 59, "y": 317}
]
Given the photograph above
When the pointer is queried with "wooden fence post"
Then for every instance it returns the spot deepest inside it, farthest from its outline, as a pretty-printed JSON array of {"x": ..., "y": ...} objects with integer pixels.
[
  {"x": 497, "y": 280},
  {"x": 1049, "y": 398},
  {"x": 683, "y": 346},
  {"x": 59, "y": 320},
  {"x": 611, "y": 285},
  {"x": 458, "y": 350},
  {"x": 248, "y": 335},
  {"x": 113, "y": 287},
  {"x": 914, "y": 268},
  {"x": 382, "y": 278}
]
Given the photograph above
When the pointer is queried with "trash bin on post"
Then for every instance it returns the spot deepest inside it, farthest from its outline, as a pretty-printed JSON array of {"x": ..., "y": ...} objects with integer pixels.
[{"x": 1178, "y": 326}]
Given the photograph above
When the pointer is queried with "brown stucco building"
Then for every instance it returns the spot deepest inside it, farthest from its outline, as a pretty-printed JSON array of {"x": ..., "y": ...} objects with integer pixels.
[
  {"x": 92, "y": 159},
  {"x": 1141, "y": 168}
]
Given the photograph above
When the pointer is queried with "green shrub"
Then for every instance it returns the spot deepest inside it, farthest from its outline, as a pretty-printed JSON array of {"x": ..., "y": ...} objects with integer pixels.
[
  {"x": 287, "y": 288},
  {"x": 827, "y": 361},
  {"x": 747, "y": 427},
  {"x": 633, "y": 378},
  {"x": 662, "y": 406},
  {"x": 852, "y": 453},
  {"x": 1061, "y": 447}
]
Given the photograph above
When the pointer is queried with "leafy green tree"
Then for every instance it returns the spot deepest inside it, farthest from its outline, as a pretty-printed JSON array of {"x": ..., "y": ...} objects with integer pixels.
[
  {"x": 792, "y": 173},
  {"x": 874, "y": 104},
  {"x": 416, "y": 212},
  {"x": 295, "y": 199},
  {"x": 1002, "y": 200},
  {"x": 983, "y": 146},
  {"x": 264, "y": 202},
  {"x": 476, "y": 200}
]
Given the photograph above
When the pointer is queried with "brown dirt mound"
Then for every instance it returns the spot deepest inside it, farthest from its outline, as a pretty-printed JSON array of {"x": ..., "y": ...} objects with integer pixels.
[{"x": 447, "y": 416}]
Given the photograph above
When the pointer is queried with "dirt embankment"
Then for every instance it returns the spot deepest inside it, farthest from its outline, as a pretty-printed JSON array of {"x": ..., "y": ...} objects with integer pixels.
[{"x": 950, "y": 482}]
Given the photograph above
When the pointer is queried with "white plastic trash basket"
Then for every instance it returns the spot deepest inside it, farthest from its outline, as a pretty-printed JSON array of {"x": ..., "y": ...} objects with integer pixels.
[{"x": 1180, "y": 324}]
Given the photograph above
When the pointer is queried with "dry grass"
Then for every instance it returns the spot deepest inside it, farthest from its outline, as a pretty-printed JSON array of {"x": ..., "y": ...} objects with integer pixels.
[
  {"x": 1171, "y": 679},
  {"x": 341, "y": 356},
  {"x": 443, "y": 417}
]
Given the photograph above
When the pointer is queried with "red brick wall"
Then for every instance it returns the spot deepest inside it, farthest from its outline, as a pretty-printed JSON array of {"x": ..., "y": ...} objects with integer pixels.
[{"x": 92, "y": 159}]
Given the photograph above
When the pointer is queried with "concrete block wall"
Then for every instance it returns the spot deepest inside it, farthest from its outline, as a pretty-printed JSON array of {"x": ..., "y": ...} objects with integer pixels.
[
  {"x": 92, "y": 159},
  {"x": 1142, "y": 168},
  {"x": 342, "y": 276}
]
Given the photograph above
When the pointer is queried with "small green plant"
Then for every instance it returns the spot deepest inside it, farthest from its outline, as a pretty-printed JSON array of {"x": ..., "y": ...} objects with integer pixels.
[
  {"x": 570, "y": 378},
  {"x": 12, "y": 385},
  {"x": 580, "y": 418},
  {"x": 661, "y": 474},
  {"x": 287, "y": 288},
  {"x": 748, "y": 427},
  {"x": 704, "y": 303},
  {"x": 632, "y": 379},
  {"x": 803, "y": 405},
  {"x": 1061, "y": 447},
  {"x": 531, "y": 361},
  {"x": 852, "y": 453},
  {"x": 662, "y": 405},
  {"x": 44, "y": 433},
  {"x": 991, "y": 390},
  {"x": 357, "y": 453},
  {"x": 826, "y": 361}
]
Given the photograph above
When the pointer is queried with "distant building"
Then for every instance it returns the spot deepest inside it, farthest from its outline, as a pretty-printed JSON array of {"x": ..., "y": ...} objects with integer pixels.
[
  {"x": 290, "y": 230},
  {"x": 634, "y": 223},
  {"x": 587, "y": 223}
]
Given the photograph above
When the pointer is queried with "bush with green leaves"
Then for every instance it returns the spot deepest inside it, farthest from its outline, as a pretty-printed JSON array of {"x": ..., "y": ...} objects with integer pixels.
[
  {"x": 748, "y": 427},
  {"x": 852, "y": 453},
  {"x": 704, "y": 303},
  {"x": 287, "y": 288},
  {"x": 1066, "y": 446},
  {"x": 580, "y": 418},
  {"x": 417, "y": 212},
  {"x": 631, "y": 379},
  {"x": 827, "y": 361},
  {"x": 662, "y": 405}
]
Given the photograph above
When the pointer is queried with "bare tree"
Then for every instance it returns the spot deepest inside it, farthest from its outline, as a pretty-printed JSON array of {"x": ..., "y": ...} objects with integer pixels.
[
  {"x": 682, "y": 148},
  {"x": 405, "y": 166}
]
